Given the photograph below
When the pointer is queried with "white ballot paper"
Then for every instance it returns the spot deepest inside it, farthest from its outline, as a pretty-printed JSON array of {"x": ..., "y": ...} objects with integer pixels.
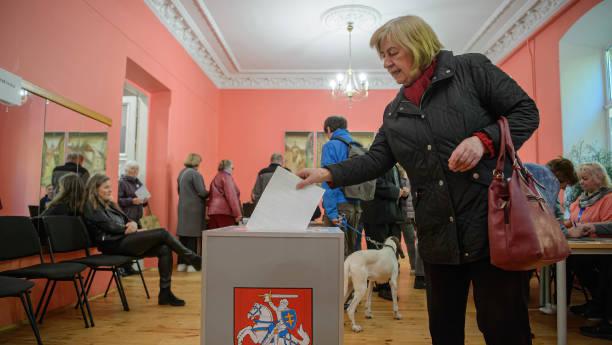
[
  {"x": 142, "y": 192},
  {"x": 282, "y": 207}
]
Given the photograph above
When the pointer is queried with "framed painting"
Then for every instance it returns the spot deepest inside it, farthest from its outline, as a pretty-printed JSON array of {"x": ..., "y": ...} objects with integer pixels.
[
  {"x": 93, "y": 147},
  {"x": 364, "y": 138},
  {"x": 299, "y": 150},
  {"x": 52, "y": 155}
]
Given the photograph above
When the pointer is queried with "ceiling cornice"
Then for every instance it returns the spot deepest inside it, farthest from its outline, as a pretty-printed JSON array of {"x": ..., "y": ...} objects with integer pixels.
[{"x": 508, "y": 27}]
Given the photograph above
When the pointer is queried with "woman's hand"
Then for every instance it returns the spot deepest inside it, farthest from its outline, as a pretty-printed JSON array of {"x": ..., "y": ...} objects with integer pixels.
[
  {"x": 137, "y": 201},
  {"x": 466, "y": 155},
  {"x": 578, "y": 231},
  {"x": 131, "y": 227},
  {"x": 312, "y": 176},
  {"x": 238, "y": 219}
]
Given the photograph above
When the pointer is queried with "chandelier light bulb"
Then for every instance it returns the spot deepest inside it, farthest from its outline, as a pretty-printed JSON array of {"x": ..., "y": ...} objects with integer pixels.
[{"x": 350, "y": 84}]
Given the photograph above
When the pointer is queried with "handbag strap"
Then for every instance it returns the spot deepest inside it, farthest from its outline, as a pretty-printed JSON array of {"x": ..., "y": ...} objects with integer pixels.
[
  {"x": 498, "y": 172},
  {"x": 506, "y": 145}
]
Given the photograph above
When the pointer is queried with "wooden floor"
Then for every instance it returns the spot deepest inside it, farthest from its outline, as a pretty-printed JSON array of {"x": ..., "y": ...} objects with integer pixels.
[{"x": 148, "y": 323}]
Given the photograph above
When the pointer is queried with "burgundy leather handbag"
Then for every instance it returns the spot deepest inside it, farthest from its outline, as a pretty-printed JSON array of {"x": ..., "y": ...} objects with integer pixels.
[{"x": 523, "y": 232}]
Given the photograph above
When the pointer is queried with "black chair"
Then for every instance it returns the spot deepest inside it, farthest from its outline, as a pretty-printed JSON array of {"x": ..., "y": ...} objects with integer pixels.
[
  {"x": 15, "y": 287},
  {"x": 34, "y": 210},
  {"x": 69, "y": 234},
  {"x": 144, "y": 283},
  {"x": 19, "y": 239}
]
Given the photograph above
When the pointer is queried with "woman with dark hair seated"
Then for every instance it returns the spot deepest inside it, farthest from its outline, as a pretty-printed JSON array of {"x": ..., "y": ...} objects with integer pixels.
[
  {"x": 115, "y": 233},
  {"x": 69, "y": 200}
]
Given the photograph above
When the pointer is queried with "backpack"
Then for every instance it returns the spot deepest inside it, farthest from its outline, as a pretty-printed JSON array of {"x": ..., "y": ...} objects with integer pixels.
[{"x": 363, "y": 191}]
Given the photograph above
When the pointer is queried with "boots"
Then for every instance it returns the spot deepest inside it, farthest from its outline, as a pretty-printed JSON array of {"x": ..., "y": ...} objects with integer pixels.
[{"x": 166, "y": 297}]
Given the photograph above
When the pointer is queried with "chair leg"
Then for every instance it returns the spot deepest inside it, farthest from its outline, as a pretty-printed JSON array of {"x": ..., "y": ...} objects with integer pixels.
[
  {"x": 144, "y": 283},
  {"x": 88, "y": 282},
  {"x": 44, "y": 311},
  {"x": 42, "y": 299},
  {"x": 86, "y": 300},
  {"x": 120, "y": 289},
  {"x": 110, "y": 281},
  {"x": 80, "y": 302},
  {"x": 27, "y": 305}
]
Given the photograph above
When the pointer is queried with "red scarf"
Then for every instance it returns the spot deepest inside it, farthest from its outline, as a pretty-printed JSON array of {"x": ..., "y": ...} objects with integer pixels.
[{"x": 415, "y": 91}]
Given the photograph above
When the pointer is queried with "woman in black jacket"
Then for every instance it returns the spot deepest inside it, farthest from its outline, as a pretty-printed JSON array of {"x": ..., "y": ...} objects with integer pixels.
[
  {"x": 115, "y": 233},
  {"x": 442, "y": 129}
]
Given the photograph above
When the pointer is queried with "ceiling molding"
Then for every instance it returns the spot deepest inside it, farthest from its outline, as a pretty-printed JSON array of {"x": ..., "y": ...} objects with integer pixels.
[
  {"x": 504, "y": 30},
  {"x": 511, "y": 24}
]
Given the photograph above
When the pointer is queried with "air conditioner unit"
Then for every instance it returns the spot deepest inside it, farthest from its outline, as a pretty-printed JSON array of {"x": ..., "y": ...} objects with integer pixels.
[{"x": 10, "y": 88}]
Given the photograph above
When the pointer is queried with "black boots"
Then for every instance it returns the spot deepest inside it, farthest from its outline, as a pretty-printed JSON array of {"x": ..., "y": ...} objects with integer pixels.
[
  {"x": 166, "y": 297},
  {"x": 194, "y": 260},
  {"x": 419, "y": 282}
]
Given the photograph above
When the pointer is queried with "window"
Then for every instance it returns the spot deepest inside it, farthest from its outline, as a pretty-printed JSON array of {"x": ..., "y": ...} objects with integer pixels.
[{"x": 608, "y": 104}]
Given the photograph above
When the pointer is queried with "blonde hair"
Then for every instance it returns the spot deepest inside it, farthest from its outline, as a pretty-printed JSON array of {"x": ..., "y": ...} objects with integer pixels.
[
  {"x": 414, "y": 35},
  {"x": 193, "y": 160},
  {"x": 598, "y": 171}
]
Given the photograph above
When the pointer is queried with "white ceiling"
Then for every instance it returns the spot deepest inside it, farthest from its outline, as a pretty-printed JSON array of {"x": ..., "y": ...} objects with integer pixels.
[{"x": 285, "y": 44}]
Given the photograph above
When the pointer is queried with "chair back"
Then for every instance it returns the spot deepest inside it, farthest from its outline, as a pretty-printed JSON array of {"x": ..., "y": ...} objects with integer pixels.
[
  {"x": 34, "y": 210},
  {"x": 18, "y": 238},
  {"x": 66, "y": 234}
]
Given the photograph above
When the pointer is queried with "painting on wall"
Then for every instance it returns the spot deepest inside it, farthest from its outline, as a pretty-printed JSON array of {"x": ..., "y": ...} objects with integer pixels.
[
  {"x": 52, "y": 155},
  {"x": 93, "y": 147},
  {"x": 364, "y": 138},
  {"x": 299, "y": 150}
]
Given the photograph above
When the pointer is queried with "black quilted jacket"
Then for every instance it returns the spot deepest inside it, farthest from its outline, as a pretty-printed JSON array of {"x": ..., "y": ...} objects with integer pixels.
[{"x": 467, "y": 94}]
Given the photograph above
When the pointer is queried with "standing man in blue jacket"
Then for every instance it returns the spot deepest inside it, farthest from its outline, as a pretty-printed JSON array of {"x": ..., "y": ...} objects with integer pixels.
[{"x": 335, "y": 202}]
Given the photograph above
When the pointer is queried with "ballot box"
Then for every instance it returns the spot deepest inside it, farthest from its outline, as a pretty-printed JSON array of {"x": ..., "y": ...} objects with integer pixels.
[{"x": 272, "y": 287}]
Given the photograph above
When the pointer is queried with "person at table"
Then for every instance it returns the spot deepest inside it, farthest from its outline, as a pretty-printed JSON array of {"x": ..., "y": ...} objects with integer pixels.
[{"x": 593, "y": 206}]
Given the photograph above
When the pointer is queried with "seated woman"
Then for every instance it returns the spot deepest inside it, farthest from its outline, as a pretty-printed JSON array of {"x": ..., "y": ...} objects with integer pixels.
[
  {"x": 593, "y": 206},
  {"x": 69, "y": 200},
  {"x": 115, "y": 233}
]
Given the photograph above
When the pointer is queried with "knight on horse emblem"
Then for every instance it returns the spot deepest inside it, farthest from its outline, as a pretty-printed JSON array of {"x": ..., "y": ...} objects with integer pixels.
[{"x": 273, "y": 325}]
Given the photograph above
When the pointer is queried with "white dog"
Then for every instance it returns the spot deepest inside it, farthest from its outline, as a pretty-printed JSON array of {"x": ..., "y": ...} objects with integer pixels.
[{"x": 365, "y": 267}]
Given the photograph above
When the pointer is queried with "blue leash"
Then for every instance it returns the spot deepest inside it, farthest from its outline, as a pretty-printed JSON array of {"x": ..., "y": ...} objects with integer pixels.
[{"x": 344, "y": 223}]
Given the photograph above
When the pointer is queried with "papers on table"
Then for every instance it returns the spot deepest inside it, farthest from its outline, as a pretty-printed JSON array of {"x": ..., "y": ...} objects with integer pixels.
[
  {"x": 142, "y": 193},
  {"x": 282, "y": 207}
]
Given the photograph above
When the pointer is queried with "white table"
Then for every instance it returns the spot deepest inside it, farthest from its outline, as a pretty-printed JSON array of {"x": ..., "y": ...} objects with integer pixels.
[{"x": 578, "y": 247}]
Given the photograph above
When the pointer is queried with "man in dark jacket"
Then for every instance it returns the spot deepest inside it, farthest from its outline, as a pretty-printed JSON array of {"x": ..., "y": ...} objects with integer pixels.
[
  {"x": 382, "y": 215},
  {"x": 74, "y": 164},
  {"x": 264, "y": 176}
]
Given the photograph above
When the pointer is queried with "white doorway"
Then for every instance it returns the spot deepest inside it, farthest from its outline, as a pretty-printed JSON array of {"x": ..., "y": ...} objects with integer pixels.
[{"x": 134, "y": 130}]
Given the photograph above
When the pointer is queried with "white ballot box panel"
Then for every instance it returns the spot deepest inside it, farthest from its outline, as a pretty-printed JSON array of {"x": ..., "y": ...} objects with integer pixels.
[{"x": 257, "y": 285}]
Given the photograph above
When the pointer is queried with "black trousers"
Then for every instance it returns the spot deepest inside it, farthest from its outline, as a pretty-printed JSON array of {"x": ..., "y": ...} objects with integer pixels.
[
  {"x": 380, "y": 232},
  {"x": 499, "y": 296},
  {"x": 151, "y": 243},
  {"x": 192, "y": 244}
]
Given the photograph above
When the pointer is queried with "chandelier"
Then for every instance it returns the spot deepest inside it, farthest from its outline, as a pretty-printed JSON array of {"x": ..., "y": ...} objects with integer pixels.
[{"x": 350, "y": 84}]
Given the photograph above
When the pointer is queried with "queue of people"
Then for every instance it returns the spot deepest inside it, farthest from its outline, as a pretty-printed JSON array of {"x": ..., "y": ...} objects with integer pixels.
[{"x": 431, "y": 160}]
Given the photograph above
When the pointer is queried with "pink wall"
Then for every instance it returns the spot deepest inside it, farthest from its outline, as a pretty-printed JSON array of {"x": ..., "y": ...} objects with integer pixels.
[
  {"x": 19, "y": 186},
  {"x": 535, "y": 65},
  {"x": 255, "y": 121},
  {"x": 86, "y": 49},
  {"x": 80, "y": 50}
]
